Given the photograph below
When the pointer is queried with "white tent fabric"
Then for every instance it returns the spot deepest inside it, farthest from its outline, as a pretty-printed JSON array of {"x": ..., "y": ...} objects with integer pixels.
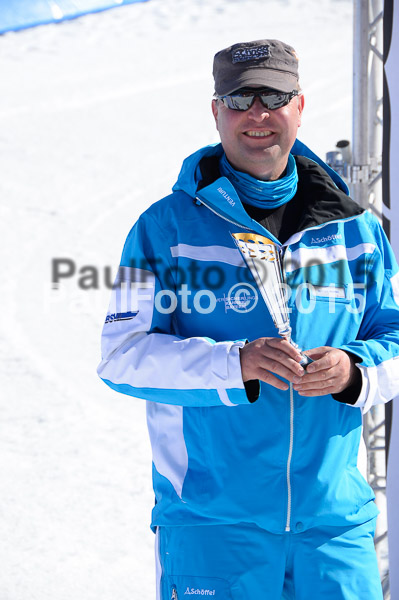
[{"x": 393, "y": 215}]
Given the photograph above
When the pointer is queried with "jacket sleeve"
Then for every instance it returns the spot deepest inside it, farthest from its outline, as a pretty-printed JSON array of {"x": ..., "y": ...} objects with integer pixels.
[
  {"x": 141, "y": 355},
  {"x": 377, "y": 343}
]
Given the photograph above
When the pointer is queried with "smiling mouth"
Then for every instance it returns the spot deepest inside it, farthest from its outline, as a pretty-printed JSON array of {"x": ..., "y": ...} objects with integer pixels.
[{"x": 258, "y": 133}]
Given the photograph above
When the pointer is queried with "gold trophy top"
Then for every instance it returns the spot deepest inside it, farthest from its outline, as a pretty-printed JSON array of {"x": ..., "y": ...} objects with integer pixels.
[{"x": 255, "y": 245}]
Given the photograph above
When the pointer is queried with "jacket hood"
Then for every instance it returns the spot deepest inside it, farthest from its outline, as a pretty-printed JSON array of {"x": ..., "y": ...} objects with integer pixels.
[{"x": 190, "y": 176}]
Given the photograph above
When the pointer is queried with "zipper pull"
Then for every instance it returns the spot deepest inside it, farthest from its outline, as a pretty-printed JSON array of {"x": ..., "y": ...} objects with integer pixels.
[{"x": 174, "y": 594}]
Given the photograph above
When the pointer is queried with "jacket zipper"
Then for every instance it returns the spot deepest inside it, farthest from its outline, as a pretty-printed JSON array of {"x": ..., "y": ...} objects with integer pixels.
[
  {"x": 224, "y": 218},
  {"x": 291, "y": 442},
  {"x": 174, "y": 594},
  {"x": 289, "y": 488}
]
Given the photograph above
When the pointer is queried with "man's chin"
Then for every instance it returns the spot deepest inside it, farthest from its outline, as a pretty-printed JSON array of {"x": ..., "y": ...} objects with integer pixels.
[{"x": 263, "y": 163}]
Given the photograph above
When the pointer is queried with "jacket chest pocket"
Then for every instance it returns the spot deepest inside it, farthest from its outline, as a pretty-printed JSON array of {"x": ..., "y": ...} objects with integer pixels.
[
  {"x": 330, "y": 283},
  {"x": 333, "y": 294},
  {"x": 326, "y": 315}
]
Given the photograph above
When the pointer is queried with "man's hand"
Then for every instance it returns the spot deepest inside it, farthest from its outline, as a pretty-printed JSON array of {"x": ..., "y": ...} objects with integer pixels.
[
  {"x": 331, "y": 372},
  {"x": 265, "y": 358}
]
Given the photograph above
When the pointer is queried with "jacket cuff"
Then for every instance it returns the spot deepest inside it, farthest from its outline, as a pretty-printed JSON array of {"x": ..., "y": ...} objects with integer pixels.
[
  {"x": 352, "y": 393},
  {"x": 236, "y": 393},
  {"x": 252, "y": 389}
]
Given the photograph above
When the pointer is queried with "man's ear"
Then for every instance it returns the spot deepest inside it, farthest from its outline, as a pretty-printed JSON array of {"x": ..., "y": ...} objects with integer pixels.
[
  {"x": 301, "y": 104},
  {"x": 215, "y": 112}
]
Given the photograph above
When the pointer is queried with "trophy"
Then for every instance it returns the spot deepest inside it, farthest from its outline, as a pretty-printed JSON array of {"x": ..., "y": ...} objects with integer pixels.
[{"x": 262, "y": 257}]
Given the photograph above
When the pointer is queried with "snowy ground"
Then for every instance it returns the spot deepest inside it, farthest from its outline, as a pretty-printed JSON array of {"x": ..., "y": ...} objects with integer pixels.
[{"x": 96, "y": 116}]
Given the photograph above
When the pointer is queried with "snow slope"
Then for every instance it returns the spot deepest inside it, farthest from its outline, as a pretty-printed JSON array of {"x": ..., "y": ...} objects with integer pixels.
[{"x": 96, "y": 116}]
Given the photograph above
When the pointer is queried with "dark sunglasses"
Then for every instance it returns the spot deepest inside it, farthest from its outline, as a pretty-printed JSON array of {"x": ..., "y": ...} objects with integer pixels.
[{"x": 243, "y": 100}]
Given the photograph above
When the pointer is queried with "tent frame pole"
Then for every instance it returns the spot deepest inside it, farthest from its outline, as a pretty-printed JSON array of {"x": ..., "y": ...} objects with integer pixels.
[{"x": 365, "y": 181}]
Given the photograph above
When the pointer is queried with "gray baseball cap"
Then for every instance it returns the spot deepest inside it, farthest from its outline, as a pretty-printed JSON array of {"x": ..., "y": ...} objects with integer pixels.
[{"x": 266, "y": 63}]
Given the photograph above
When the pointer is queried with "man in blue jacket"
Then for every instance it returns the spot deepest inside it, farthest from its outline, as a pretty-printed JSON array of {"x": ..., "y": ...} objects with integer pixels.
[{"x": 257, "y": 489}]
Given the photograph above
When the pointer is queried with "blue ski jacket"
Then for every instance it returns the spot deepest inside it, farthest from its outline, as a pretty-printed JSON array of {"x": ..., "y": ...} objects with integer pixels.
[{"x": 184, "y": 303}]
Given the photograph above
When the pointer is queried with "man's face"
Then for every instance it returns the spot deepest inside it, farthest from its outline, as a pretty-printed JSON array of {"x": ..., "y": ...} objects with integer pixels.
[{"x": 258, "y": 141}]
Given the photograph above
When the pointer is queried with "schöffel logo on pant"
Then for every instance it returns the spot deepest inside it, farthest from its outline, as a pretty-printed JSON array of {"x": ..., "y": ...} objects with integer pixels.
[{"x": 199, "y": 592}]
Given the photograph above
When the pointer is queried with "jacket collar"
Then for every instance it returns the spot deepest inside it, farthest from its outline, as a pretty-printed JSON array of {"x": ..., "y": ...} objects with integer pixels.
[{"x": 200, "y": 179}]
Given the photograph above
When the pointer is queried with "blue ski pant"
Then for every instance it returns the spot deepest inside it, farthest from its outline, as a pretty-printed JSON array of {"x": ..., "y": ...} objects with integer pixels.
[{"x": 244, "y": 562}]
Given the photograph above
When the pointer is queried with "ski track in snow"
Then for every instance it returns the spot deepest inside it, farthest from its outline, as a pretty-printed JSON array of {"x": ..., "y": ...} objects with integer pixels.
[{"x": 96, "y": 116}]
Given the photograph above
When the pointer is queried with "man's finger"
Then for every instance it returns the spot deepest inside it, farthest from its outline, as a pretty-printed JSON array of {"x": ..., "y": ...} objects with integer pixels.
[
  {"x": 268, "y": 377},
  {"x": 270, "y": 355},
  {"x": 322, "y": 360},
  {"x": 285, "y": 347},
  {"x": 288, "y": 369},
  {"x": 318, "y": 392}
]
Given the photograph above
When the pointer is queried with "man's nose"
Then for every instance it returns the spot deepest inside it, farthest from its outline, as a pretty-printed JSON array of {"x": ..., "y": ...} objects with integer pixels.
[{"x": 258, "y": 111}]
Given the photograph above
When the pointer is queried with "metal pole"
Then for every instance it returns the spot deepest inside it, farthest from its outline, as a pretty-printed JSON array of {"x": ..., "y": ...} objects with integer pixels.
[
  {"x": 360, "y": 152},
  {"x": 375, "y": 420},
  {"x": 366, "y": 188},
  {"x": 365, "y": 179},
  {"x": 375, "y": 105}
]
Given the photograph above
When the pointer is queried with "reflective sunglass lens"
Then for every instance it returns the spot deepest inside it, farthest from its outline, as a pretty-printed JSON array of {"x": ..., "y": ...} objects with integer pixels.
[
  {"x": 244, "y": 101},
  {"x": 238, "y": 102},
  {"x": 273, "y": 101}
]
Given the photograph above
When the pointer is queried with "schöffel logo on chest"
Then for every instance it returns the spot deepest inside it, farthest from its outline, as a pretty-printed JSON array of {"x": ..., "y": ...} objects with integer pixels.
[{"x": 326, "y": 238}]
